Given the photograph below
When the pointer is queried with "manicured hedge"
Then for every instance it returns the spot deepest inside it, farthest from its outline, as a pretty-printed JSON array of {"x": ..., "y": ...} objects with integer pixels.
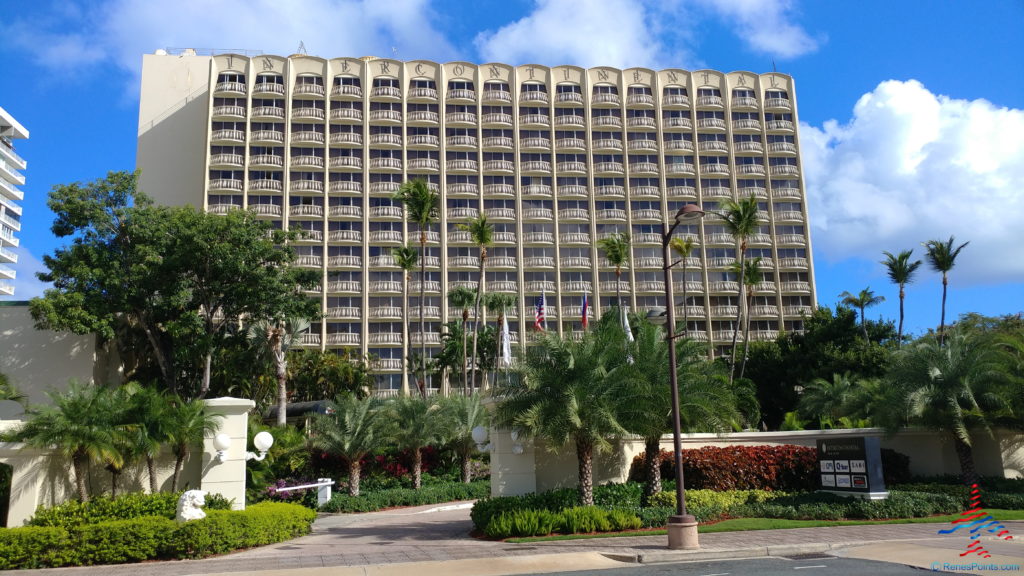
[
  {"x": 395, "y": 497},
  {"x": 104, "y": 508},
  {"x": 785, "y": 467},
  {"x": 577, "y": 520},
  {"x": 151, "y": 537}
]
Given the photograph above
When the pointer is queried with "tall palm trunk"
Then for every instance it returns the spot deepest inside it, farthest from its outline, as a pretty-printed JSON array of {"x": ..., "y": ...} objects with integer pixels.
[
  {"x": 585, "y": 461},
  {"x": 686, "y": 303},
  {"x": 465, "y": 347},
  {"x": 942, "y": 319},
  {"x": 652, "y": 468},
  {"x": 80, "y": 462},
  {"x": 500, "y": 340},
  {"x": 746, "y": 332},
  {"x": 417, "y": 468},
  {"x": 864, "y": 325},
  {"x": 355, "y": 468},
  {"x": 899, "y": 332},
  {"x": 409, "y": 370},
  {"x": 739, "y": 312},
  {"x": 115, "y": 476},
  {"x": 282, "y": 379},
  {"x": 151, "y": 468},
  {"x": 467, "y": 468},
  {"x": 179, "y": 461},
  {"x": 965, "y": 454},
  {"x": 423, "y": 323},
  {"x": 477, "y": 317}
]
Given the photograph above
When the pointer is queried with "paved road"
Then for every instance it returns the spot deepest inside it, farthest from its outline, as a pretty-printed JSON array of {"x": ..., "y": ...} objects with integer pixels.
[{"x": 760, "y": 567}]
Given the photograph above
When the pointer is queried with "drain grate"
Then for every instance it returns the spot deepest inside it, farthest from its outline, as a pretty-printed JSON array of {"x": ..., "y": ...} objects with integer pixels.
[{"x": 812, "y": 556}]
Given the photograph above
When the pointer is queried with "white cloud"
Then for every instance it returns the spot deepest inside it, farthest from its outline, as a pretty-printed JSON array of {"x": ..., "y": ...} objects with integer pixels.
[
  {"x": 26, "y": 285},
  {"x": 620, "y": 33},
  {"x": 765, "y": 26},
  {"x": 910, "y": 166},
  {"x": 121, "y": 31}
]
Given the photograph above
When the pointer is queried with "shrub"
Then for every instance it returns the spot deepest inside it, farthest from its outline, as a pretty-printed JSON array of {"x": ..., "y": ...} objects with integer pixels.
[
  {"x": 32, "y": 547},
  {"x": 622, "y": 520},
  {"x": 790, "y": 468},
  {"x": 370, "y": 501},
  {"x": 126, "y": 507},
  {"x": 120, "y": 541},
  {"x": 223, "y": 531},
  {"x": 583, "y": 520},
  {"x": 663, "y": 500}
]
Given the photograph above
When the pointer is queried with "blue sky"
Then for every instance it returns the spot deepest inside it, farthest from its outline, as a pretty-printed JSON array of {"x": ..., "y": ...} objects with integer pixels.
[{"x": 912, "y": 113}]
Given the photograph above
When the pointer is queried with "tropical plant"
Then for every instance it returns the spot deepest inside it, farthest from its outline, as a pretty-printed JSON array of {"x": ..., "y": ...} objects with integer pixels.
[
  {"x": 862, "y": 301},
  {"x": 826, "y": 399},
  {"x": 463, "y": 413},
  {"x": 683, "y": 247},
  {"x": 616, "y": 250},
  {"x": 901, "y": 271},
  {"x": 422, "y": 206},
  {"x": 79, "y": 423},
  {"x": 351, "y": 429},
  {"x": 482, "y": 234},
  {"x": 952, "y": 388},
  {"x": 406, "y": 258},
  {"x": 942, "y": 257},
  {"x": 741, "y": 221},
  {"x": 563, "y": 395},
  {"x": 415, "y": 424},
  {"x": 500, "y": 302},
  {"x": 188, "y": 423},
  {"x": 273, "y": 339},
  {"x": 643, "y": 397},
  {"x": 149, "y": 408},
  {"x": 462, "y": 298},
  {"x": 316, "y": 375},
  {"x": 750, "y": 275}
]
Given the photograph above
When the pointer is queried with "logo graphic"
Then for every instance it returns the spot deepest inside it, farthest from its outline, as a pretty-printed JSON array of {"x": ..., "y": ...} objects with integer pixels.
[{"x": 977, "y": 521}]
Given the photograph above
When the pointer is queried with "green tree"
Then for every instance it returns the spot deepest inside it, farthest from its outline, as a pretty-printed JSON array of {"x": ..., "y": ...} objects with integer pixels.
[
  {"x": 740, "y": 219},
  {"x": 8, "y": 391},
  {"x": 616, "y": 250},
  {"x": 274, "y": 338},
  {"x": 683, "y": 247},
  {"x": 462, "y": 414},
  {"x": 643, "y": 397},
  {"x": 406, "y": 258},
  {"x": 316, "y": 375},
  {"x": 501, "y": 303},
  {"x": 416, "y": 424},
  {"x": 422, "y": 206},
  {"x": 901, "y": 271},
  {"x": 482, "y": 234},
  {"x": 862, "y": 301},
  {"x": 942, "y": 257},
  {"x": 351, "y": 430},
  {"x": 825, "y": 399},
  {"x": 188, "y": 423},
  {"x": 952, "y": 388},
  {"x": 750, "y": 275},
  {"x": 150, "y": 411},
  {"x": 563, "y": 396},
  {"x": 462, "y": 298},
  {"x": 79, "y": 423}
]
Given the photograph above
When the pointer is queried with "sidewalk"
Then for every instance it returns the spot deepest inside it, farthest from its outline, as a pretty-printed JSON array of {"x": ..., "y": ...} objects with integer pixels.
[{"x": 437, "y": 541}]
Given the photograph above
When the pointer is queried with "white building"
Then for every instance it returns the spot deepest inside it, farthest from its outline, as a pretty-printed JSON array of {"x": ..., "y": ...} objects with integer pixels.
[
  {"x": 557, "y": 158},
  {"x": 10, "y": 195}
]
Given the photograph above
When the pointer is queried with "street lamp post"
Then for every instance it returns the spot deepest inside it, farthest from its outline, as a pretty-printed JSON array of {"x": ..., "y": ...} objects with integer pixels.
[{"x": 682, "y": 527}]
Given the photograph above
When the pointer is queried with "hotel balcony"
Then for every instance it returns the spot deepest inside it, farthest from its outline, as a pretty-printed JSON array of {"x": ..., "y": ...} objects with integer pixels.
[
  {"x": 429, "y": 286},
  {"x": 714, "y": 169},
  {"x": 710, "y": 101},
  {"x": 750, "y": 169},
  {"x": 385, "y": 287},
  {"x": 344, "y": 287},
  {"x": 643, "y": 145},
  {"x": 675, "y": 101},
  {"x": 504, "y": 237},
  {"x": 310, "y": 162},
  {"x": 459, "y": 237},
  {"x": 345, "y": 261},
  {"x": 431, "y": 338},
  {"x": 570, "y": 144},
  {"x": 386, "y": 116},
  {"x": 746, "y": 125},
  {"x": 610, "y": 191},
  {"x": 726, "y": 335},
  {"x": 504, "y": 286},
  {"x": 690, "y": 312},
  {"x": 533, "y": 97},
  {"x": 422, "y": 141},
  {"x": 462, "y": 141},
  {"x": 432, "y": 312},
  {"x": 267, "y": 137},
  {"x": 643, "y": 122},
  {"x": 462, "y": 213},
  {"x": 461, "y": 94},
  {"x": 386, "y": 236},
  {"x": 791, "y": 239},
  {"x": 312, "y": 210},
  {"x": 538, "y": 214},
  {"x": 570, "y": 121},
  {"x": 535, "y": 143},
  {"x": 344, "y": 339},
  {"x": 577, "y": 286},
  {"x": 712, "y": 146},
  {"x": 788, "y": 216},
  {"x": 677, "y": 123},
  {"x": 346, "y": 115},
  {"x": 723, "y": 286},
  {"x": 464, "y": 189},
  {"x": 385, "y": 313},
  {"x": 609, "y": 168},
  {"x": 681, "y": 192},
  {"x": 267, "y": 113},
  {"x": 569, "y": 98},
  {"x": 545, "y": 238},
  {"x": 501, "y": 262},
  {"x": 470, "y": 262},
  {"x": 307, "y": 261},
  {"x": 346, "y": 91},
  {"x": 723, "y": 261},
  {"x": 796, "y": 310},
  {"x": 647, "y": 238},
  {"x": 497, "y": 96},
  {"x": 506, "y": 190},
  {"x": 231, "y": 112},
  {"x": 572, "y": 191},
  {"x": 460, "y": 118},
  {"x": 539, "y": 286},
  {"x": 531, "y": 120},
  {"x": 649, "y": 168},
  {"x": 347, "y": 211},
  {"x": 386, "y": 93},
  {"x": 227, "y": 161},
  {"x": 383, "y": 261},
  {"x": 424, "y": 164},
  {"x": 607, "y": 122},
  {"x": 763, "y": 310},
  {"x": 423, "y": 94},
  {"x": 648, "y": 214},
  {"x": 644, "y": 100},
  {"x": 346, "y": 236},
  {"x": 531, "y": 262},
  {"x": 266, "y": 209},
  {"x": 797, "y": 263},
  {"x": 726, "y": 311},
  {"x": 266, "y": 161},
  {"x": 227, "y": 136},
  {"x": 496, "y": 119},
  {"x": 605, "y": 99},
  {"x": 609, "y": 287},
  {"x": 494, "y": 142},
  {"x": 778, "y": 104},
  {"x": 308, "y": 113},
  {"x": 574, "y": 262},
  {"x": 645, "y": 192},
  {"x": 679, "y": 146},
  {"x": 785, "y": 170},
  {"x": 711, "y": 123},
  {"x": 468, "y": 284},
  {"x": 309, "y": 339},
  {"x": 744, "y": 102},
  {"x": 573, "y": 213},
  {"x": 461, "y": 166},
  {"x": 500, "y": 213},
  {"x": 655, "y": 286},
  {"x": 802, "y": 287},
  {"x": 541, "y": 190},
  {"x": 780, "y": 125},
  {"x": 308, "y": 136},
  {"x": 611, "y": 214}
]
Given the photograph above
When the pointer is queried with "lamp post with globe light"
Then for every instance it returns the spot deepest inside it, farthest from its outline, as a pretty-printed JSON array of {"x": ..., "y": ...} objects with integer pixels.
[{"x": 682, "y": 527}]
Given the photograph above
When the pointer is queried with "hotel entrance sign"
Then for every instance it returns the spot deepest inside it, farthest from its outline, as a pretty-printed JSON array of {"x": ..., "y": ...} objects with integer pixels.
[{"x": 851, "y": 467}]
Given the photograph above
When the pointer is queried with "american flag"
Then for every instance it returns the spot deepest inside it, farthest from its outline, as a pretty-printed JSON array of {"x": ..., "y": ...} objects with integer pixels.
[{"x": 539, "y": 321}]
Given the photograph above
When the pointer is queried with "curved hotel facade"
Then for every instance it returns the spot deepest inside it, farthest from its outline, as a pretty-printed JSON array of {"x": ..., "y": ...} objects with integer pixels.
[{"x": 557, "y": 158}]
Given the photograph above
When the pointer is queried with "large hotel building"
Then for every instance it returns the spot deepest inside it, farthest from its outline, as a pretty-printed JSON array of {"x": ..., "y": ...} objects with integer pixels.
[
  {"x": 10, "y": 195},
  {"x": 557, "y": 158}
]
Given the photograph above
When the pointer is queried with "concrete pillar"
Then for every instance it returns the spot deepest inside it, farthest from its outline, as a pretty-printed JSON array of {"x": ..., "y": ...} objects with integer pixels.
[
  {"x": 513, "y": 465},
  {"x": 26, "y": 482},
  {"x": 227, "y": 478}
]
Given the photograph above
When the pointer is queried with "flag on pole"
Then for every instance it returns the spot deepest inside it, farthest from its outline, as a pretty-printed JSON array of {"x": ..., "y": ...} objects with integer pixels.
[
  {"x": 539, "y": 319},
  {"x": 506, "y": 343},
  {"x": 586, "y": 308}
]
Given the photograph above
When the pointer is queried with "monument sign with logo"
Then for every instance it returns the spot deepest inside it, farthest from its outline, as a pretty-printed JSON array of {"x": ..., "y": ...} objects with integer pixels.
[{"x": 851, "y": 467}]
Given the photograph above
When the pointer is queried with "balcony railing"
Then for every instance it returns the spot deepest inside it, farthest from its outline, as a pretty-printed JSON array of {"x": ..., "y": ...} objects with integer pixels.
[
  {"x": 500, "y": 213},
  {"x": 347, "y": 114},
  {"x": 344, "y": 286},
  {"x": 569, "y": 120},
  {"x": 538, "y": 261},
  {"x": 464, "y": 262},
  {"x": 423, "y": 94},
  {"x": 539, "y": 238},
  {"x": 386, "y": 236},
  {"x": 537, "y": 190},
  {"x": 496, "y": 118},
  {"x": 345, "y": 236},
  {"x": 306, "y": 210},
  {"x": 346, "y": 211},
  {"x": 496, "y": 189},
  {"x": 497, "y": 96},
  {"x": 574, "y": 262},
  {"x": 345, "y": 261}
]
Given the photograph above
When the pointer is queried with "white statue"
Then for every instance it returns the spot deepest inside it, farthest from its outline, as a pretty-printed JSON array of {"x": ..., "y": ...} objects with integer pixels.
[{"x": 190, "y": 506}]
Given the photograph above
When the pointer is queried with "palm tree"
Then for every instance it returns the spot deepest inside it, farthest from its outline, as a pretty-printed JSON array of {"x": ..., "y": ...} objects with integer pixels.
[
  {"x": 416, "y": 424},
  {"x": 422, "y": 206},
  {"x": 644, "y": 399},
  {"x": 499, "y": 302},
  {"x": 942, "y": 257},
  {"x": 862, "y": 301},
  {"x": 8, "y": 391},
  {"x": 78, "y": 424},
  {"x": 350, "y": 430},
  {"x": 150, "y": 411},
  {"x": 616, "y": 250},
  {"x": 462, "y": 414},
  {"x": 274, "y": 338},
  {"x": 750, "y": 275},
  {"x": 683, "y": 247},
  {"x": 901, "y": 271},
  {"x": 740, "y": 219},
  {"x": 188, "y": 423},
  {"x": 406, "y": 258},
  {"x": 482, "y": 234},
  {"x": 826, "y": 400},
  {"x": 563, "y": 395},
  {"x": 952, "y": 388},
  {"x": 462, "y": 297}
]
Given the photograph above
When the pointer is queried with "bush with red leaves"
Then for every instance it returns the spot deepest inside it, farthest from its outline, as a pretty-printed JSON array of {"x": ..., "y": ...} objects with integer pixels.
[{"x": 786, "y": 467}]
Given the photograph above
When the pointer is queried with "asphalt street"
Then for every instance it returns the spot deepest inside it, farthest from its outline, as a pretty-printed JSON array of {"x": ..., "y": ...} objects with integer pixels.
[{"x": 806, "y": 566}]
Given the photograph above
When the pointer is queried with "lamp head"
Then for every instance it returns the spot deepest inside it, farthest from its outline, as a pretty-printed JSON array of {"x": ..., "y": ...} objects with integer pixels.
[
  {"x": 263, "y": 441},
  {"x": 689, "y": 212},
  {"x": 479, "y": 435},
  {"x": 221, "y": 442}
]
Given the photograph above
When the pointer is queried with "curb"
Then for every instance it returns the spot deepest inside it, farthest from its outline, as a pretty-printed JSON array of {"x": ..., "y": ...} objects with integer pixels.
[{"x": 669, "y": 556}]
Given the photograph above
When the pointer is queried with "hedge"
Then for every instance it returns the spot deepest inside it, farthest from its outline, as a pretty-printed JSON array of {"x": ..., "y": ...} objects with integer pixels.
[
  {"x": 576, "y": 520},
  {"x": 104, "y": 508},
  {"x": 371, "y": 501},
  {"x": 151, "y": 537}
]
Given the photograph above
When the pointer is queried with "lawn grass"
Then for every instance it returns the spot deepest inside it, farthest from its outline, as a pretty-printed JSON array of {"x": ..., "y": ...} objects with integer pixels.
[{"x": 743, "y": 524}]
